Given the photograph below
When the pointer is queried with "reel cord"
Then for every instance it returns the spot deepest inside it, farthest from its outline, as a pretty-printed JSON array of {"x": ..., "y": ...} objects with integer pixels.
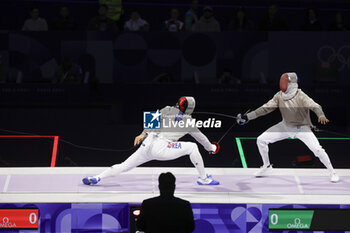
[{"x": 133, "y": 147}]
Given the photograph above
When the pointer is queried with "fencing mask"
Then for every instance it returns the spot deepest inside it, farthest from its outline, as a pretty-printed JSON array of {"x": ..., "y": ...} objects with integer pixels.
[
  {"x": 289, "y": 85},
  {"x": 286, "y": 79},
  {"x": 186, "y": 104}
]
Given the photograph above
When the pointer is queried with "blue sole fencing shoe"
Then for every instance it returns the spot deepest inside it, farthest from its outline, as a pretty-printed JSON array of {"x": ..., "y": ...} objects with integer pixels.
[
  {"x": 91, "y": 180},
  {"x": 207, "y": 181}
]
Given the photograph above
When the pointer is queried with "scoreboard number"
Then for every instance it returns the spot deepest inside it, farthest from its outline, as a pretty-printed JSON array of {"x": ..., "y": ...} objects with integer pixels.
[
  {"x": 33, "y": 218},
  {"x": 274, "y": 219}
]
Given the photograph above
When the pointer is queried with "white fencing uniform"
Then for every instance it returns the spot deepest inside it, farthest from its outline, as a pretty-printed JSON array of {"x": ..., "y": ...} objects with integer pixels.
[
  {"x": 296, "y": 123},
  {"x": 163, "y": 145},
  {"x": 282, "y": 131}
]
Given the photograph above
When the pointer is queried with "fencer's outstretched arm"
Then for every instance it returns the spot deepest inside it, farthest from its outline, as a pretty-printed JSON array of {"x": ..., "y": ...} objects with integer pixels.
[
  {"x": 202, "y": 139},
  {"x": 315, "y": 107},
  {"x": 270, "y": 106}
]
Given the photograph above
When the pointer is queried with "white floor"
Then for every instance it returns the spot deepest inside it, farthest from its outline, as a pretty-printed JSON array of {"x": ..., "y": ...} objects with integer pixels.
[{"x": 238, "y": 185}]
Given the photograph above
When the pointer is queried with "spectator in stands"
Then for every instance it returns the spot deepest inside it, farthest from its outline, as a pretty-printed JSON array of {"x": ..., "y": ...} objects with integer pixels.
[
  {"x": 3, "y": 71},
  {"x": 192, "y": 16},
  {"x": 35, "y": 23},
  {"x": 102, "y": 22},
  {"x": 166, "y": 213},
  {"x": 228, "y": 78},
  {"x": 339, "y": 24},
  {"x": 136, "y": 23},
  {"x": 311, "y": 22},
  {"x": 241, "y": 22},
  {"x": 207, "y": 22},
  {"x": 174, "y": 24},
  {"x": 64, "y": 22},
  {"x": 115, "y": 8},
  {"x": 273, "y": 21},
  {"x": 68, "y": 72}
]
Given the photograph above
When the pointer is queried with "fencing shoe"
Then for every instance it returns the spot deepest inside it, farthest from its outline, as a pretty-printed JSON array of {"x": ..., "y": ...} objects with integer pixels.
[
  {"x": 334, "y": 178},
  {"x": 263, "y": 170},
  {"x": 91, "y": 180},
  {"x": 207, "y": 181}
]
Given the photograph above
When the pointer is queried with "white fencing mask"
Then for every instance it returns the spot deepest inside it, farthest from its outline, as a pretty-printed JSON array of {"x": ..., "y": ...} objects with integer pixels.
[
  {"x": 289, "y": 85},
  {"x": 286, "y": 79}
]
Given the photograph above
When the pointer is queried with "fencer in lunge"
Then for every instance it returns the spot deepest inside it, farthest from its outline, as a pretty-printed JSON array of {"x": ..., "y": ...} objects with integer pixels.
[
  {"x": 163, "y": 144},
  {"x": 295, "y": 107}
]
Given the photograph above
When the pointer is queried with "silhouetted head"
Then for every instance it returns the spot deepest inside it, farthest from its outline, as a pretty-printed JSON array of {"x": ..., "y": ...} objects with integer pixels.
[
  {"x": 166, "y": 183},
  {"x": 34, "y": 13}
]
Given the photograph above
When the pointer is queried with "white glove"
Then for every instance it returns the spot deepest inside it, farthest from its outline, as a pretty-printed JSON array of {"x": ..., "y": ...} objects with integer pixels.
[
  {"x": 241, "y": 120},
  {"x": 213, "y": 147}
]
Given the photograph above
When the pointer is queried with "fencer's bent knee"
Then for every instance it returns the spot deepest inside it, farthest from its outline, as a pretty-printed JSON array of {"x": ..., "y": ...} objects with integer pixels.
[
  {"x": 260, "y": 141},
  {"x": 193, "y": 146}
]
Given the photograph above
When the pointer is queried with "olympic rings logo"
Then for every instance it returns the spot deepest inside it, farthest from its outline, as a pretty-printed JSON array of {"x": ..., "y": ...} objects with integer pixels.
[{"x": 328, "y": 54}]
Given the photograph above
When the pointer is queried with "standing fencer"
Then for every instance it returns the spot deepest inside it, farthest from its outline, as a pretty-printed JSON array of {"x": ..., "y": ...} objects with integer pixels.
[
  {"x": 294, "y": 106},
  {"x": 163, "y": 144}
]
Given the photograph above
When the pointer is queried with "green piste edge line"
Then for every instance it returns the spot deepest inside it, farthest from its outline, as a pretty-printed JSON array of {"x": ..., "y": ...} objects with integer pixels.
[{"x": 241, "y": 152}]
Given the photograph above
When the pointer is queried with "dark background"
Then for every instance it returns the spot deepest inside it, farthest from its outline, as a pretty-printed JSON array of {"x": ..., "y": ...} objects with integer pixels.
[{"x": 107, "y": 111}]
